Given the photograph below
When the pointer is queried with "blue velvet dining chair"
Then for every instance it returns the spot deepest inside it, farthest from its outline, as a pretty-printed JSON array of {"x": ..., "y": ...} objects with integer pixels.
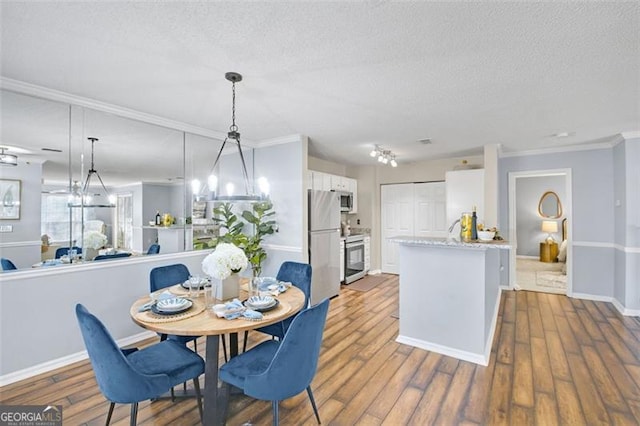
[
  {"x": 153, "y": 249},
  {"x": 130, "y": 376},
  {"x": 298, "y": 274},
  {"x": 276, "y": 370},
  {"x": 167, "y": 276},
  {"x": 63, "y": 251},
  {"x": 7, "y": 265}
]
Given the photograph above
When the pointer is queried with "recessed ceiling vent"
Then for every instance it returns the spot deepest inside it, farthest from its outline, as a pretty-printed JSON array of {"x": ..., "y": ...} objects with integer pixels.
[{"x": 426, "y": 141}]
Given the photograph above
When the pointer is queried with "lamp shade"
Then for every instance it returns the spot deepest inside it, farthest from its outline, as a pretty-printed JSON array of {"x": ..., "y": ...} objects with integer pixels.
[{"x": 549, "y": 226}]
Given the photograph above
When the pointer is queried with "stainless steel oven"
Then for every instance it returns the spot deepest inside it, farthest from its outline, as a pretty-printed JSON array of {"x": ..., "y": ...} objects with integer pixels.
[{"x": 353, "y": 258}]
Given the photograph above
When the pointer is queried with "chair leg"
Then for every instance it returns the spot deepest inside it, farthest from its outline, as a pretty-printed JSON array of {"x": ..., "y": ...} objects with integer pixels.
[
  {"x": 196, "y": 385},
  {"x": 113, "y": 404},
  {"x": 134, "y": 414},
  {"x": 173, "y": 396},
  {"x": 313, "y": 404},
  {"x": 276, "y": 418},
  {"x": 246, "y": 336},
  {"x": 224, "y": 347}
]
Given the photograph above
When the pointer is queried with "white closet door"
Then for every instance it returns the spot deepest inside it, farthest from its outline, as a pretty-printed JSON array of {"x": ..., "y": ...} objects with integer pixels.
[
  {"x": 430, "y": 209},
  {"x": 397, "y": 219}
]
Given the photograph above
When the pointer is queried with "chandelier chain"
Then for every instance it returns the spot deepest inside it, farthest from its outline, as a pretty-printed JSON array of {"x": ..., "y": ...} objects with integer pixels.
[{"x": 233, "y": 127}]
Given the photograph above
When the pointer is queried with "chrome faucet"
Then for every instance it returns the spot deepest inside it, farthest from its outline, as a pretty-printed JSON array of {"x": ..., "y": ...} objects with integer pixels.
[{"x": 453, "y": 224}]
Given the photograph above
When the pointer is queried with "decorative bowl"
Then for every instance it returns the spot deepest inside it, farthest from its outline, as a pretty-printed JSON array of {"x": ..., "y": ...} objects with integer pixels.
[
  {"x": 486, "y": 235},
  {"x": 260, "y": 301}
]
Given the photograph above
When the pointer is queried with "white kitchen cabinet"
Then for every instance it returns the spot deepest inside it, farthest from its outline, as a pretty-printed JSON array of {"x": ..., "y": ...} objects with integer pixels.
[
  {"x": 320, "y": 181},
  {"x": 339, "y": 183},
  {"x": 367, "y": 254}
]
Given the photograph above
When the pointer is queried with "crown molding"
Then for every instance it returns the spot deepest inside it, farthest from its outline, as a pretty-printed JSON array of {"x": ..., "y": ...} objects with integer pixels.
[
  {"x": 631, "y": 135},
  {"x": 566, "y": 148},
  {"x": 279, "y": 141},
  {"x": 59, "y": 96}
]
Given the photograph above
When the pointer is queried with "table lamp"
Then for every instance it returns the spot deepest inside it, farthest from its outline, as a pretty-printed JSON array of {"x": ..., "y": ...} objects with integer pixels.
[{"x": 549, "y": 226}]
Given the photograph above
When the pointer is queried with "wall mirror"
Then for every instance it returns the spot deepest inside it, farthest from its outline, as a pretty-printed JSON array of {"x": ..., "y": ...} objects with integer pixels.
[
  {"x": 148, "y": 168},
  {"x": 550, "y": 206}
]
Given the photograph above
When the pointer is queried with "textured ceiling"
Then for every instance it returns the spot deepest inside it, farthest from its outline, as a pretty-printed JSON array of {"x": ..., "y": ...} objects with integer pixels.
[{"x": 348, "y": 75}]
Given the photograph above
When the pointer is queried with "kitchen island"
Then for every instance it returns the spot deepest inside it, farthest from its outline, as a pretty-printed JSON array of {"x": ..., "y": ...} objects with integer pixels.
[{"x": 449, "y": 295}]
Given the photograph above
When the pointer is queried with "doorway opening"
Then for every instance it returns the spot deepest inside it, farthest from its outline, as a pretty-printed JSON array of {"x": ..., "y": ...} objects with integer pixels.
[{"x": 540, "y": 211}]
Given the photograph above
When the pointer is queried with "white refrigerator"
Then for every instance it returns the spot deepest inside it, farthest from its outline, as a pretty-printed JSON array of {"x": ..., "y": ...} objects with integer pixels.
[{"x": 324, "y": 241}]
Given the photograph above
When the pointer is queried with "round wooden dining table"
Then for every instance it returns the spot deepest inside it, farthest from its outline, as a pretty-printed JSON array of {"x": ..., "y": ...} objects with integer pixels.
[{"x": 199, "y": 321}]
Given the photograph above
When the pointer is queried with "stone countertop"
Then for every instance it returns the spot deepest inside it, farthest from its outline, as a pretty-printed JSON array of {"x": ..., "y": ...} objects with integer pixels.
[{"x": 449, "y": 242}]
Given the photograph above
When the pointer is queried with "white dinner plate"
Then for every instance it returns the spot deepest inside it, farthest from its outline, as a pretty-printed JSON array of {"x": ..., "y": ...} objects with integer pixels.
[{"x": 173, "y": 304}]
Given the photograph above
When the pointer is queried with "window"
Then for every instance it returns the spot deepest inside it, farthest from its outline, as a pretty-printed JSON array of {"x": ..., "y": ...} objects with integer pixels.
[
  {"x": 124, "y": 221},
  {"x": 56, "y": 217}
]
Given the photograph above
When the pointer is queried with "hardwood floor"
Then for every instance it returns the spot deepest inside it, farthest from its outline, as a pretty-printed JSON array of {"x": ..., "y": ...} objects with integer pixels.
[{"x": 554, "y": 360}]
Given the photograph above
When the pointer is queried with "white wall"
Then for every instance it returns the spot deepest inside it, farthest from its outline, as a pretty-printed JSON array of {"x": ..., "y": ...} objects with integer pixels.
[
  {"x": 285, "y": 166},
  {"x": 592, "y": 213},
  {"x": 22, "y": 245},
  {"x": 43, "y": 332}
]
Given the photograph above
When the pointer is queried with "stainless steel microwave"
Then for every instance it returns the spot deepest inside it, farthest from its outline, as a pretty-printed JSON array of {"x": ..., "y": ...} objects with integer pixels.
[{"x": 346, "y": 201}]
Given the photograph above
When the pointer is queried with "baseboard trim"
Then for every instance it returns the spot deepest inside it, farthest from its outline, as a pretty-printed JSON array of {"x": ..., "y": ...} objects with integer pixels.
[
  {"x": 444, "y": 350},
  {"x": 47, "y": 366},
  {"x": 624, "y": 311},
  {"x": 494, "y": 323}
]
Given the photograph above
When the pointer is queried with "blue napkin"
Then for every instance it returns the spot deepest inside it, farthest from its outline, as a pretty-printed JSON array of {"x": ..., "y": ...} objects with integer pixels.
[
  {"x": 252, "y": 315},
  {"x": 234, "y": 304}
]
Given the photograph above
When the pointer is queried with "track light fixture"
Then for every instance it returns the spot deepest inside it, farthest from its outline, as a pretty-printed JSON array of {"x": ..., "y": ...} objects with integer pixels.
[{"x": 384, "y": 156}]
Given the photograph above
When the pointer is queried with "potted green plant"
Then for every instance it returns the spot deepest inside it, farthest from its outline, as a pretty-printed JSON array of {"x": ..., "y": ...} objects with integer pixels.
[{"x": 263, "y": 224}]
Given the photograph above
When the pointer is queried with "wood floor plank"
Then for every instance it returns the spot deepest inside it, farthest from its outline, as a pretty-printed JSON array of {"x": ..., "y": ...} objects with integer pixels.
[
  {"x": 506, "y": 343},
  {"x": 522, "y": 326},
  {"x": 404, "y": 407},
  {"x": 581, "y": 357},
  {"x": 618, "y": 345},
  {"x": 569, "y": 408},
  {"x": 557, "y": 358},
  {"x": 608, "y": 389},
  {"x": 523, "y": 376},
  {"x": 427, "y": 369},
  {"x": 450, "y": 409},
  {"x": 522, "y": 416},
  {"x": 590, "y": 399},
  {"x": 396, "y": 385},
  {"x": 569, "y": 342},
  {"x": 479, "y": 392},
  {"x": 546, "y": 409},
  {"x": 429, "y": 406},
  {"x": 500, "y": 401},
  {"x": 535, "y": 322},
  {"x": 542, "y": 378},
  {"x": 620, "y": 375}
]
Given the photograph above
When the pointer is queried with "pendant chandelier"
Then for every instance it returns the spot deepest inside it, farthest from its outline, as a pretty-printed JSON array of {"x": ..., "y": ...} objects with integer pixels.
[
  {"x": 85, "y": 199},
  {"x": 7, "y": 159},
  {"x": 233, "y": 136}
]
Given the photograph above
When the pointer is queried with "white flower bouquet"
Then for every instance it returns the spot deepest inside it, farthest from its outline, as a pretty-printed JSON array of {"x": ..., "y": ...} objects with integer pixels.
[
  {"x": 94, "y": 240},
  {"x": 225, "y": 260}
]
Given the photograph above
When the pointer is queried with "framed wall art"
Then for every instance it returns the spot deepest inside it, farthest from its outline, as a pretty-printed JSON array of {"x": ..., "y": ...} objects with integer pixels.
[{"x": 10, "y": 193}]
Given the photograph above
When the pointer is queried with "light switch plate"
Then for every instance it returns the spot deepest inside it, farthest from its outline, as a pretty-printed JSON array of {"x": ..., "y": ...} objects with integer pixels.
[{"x": 6, "y": 228}]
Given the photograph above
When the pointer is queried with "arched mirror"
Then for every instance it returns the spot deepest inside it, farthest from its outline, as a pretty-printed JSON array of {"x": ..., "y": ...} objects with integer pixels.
[{"x": 550, "y": 206}]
